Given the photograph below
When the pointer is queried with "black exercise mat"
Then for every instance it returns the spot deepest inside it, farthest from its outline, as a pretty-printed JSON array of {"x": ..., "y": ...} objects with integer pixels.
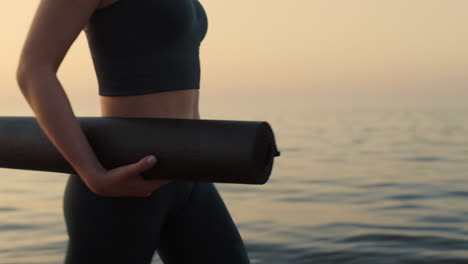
[{"x": 228, "y": 151}]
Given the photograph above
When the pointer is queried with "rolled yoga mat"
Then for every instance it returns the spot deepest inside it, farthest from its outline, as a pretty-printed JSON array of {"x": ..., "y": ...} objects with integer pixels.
[{"x": 227, "y": 151}]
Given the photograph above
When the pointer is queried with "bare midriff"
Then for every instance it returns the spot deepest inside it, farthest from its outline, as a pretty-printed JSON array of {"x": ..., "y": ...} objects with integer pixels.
[{"x": 167, "y": 104}]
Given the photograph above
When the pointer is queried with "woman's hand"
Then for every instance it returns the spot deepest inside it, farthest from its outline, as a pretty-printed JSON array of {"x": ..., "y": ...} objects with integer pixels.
[{"x": 125, "y": 180}]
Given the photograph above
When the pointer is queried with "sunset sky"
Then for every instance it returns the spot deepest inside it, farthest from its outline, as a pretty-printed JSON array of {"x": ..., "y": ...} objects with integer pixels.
[{"x": 413, "y": 51}]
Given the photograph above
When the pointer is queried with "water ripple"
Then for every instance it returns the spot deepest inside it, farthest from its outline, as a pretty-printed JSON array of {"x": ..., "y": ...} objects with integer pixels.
[
  {"x": 462, "y": 194},
  {"x": 351, "y": 225},
  {"x": 412, "y": 196},
  {"x": 424, "y": 159},
  {"x": 441, "y": 219},
  {"x": 8, "y": 209},
  {"x": 412, "y": 241},
  {"x": 266, "y": 253},
  {"x": 380, "y": 185},
  {"x": 13, "y": 227},
  {"x": 402, "y": 207}
]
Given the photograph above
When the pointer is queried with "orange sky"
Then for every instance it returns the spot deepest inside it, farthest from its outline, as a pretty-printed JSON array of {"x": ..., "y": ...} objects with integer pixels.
[{"x": 341, "y": 50}]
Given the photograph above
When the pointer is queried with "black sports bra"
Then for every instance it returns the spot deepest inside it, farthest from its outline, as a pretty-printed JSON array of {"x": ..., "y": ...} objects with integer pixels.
[{"x": 146, "y": 46}]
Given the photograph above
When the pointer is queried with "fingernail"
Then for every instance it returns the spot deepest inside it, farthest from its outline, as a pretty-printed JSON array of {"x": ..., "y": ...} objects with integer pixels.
[{"x": 151, "y": 160}]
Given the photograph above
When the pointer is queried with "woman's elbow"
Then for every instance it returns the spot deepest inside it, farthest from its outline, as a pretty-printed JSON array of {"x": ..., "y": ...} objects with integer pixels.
[
  {"x": 25, "y": 73},
  {"x": 20, "y": 75}
]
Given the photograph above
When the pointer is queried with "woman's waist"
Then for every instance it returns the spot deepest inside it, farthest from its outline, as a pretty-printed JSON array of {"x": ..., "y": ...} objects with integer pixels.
[{"x": 168, "y": 104}]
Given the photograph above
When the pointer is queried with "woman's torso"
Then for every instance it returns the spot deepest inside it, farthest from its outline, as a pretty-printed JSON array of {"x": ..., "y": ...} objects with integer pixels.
[{"x": 169, "y": 104}]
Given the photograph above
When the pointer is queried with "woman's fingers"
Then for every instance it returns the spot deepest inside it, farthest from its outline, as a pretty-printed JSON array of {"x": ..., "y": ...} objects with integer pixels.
[
  {"x": 144, "y": 164},
  {"x": 128, "y": 179},
  {"x": 140, "y": 166}
]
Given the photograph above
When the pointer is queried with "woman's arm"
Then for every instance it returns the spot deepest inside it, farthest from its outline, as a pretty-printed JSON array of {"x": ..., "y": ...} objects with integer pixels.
[
  {"x": 55, "y": 26},
  {"x": 54, "y": 113}
]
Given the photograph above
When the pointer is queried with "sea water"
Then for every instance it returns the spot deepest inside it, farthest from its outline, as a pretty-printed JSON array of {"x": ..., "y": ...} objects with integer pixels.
[{"x": 352, "y": 185}]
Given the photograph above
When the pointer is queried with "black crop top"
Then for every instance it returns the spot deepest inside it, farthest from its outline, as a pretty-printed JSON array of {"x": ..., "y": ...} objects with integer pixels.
[{"x": 146, "y": 46}]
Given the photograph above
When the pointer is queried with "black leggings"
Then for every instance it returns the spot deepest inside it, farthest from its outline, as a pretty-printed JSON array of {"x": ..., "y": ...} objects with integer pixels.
[{"x": 184, "y": 221}]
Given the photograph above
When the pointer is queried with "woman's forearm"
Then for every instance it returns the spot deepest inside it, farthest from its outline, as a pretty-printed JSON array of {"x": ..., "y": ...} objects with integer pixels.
[{"x": 47, "y": 98}]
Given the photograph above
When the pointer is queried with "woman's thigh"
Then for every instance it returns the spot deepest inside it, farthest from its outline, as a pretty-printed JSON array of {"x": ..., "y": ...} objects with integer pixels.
[
  {"x": 202, "y": 231},
  {"x": 117, "y": 229}
]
